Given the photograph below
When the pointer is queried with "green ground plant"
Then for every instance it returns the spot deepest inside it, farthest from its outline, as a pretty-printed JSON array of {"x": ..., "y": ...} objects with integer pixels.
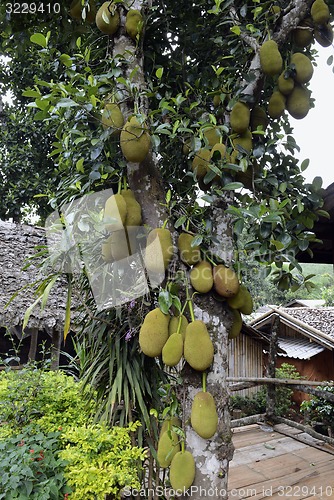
[{"x": 50, "y": 445}]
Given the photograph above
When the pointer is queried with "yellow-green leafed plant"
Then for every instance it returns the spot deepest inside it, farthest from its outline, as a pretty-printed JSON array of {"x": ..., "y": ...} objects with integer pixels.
[{"x": 101, "y": 461}]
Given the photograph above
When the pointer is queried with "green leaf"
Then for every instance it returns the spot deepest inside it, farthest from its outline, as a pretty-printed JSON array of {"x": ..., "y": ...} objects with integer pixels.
[
  {"x": 236, "y": 30},
  {"x": 165, "y": 301},
  {"x": 232, "y": 186},
  {"x": 39, "y": 39},
  {"x": 159, "y": 73}
]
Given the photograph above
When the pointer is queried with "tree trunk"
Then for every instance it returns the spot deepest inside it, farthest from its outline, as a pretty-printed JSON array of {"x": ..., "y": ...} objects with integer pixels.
[
  {"x": 211, "y": 456},
  {"x": 271, "y": 369}
]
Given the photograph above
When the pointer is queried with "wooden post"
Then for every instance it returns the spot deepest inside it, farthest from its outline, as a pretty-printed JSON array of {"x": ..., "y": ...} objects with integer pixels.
[
  {"x": 33, "y": 344},
  {"x": 55, "y": 349},
  {"x": 271, "y": 368}
]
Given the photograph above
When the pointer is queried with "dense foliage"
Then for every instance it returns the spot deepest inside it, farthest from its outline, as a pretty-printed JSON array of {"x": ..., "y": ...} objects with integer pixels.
[{"x": 50, "y": 446}]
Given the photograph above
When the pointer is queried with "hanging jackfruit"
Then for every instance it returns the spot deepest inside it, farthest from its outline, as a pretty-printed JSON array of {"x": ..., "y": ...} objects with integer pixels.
[
  {"x": 153, "y": 333},
  {"x": 115, "y": 212},
  {"x": 242, "y": 301},
  {"x": 240, "y": 117},
  {"x": 201, "y": 277},
  {"x": 188, "y": 254},
  {"x": 244, "y": 140},
  {"x": 298, "y": 102},
  {"x": 198, "y": 348},
  {"x": 76, "y": 9},
  {"x": 133, "y": 209},
  {"x": 135, "y": 140},
  {"x": 276, "y": 105},
  {"x": 302, "y": 36},
  {"x": 133, "y": 23},
  {"x": 221, "y": 148},
  {"x": 270, "y": 58},
  {"x": 182, "y": 471},
  {"x": 204, "y": 417},
  {"x": 285, "y": 84},
  {"x": 236, "y": 324},
  {"x": 112, "y": 117},
  {"x": 168, "y": 446},
  {"x": 107, "y": 18},
  {"x": 303, "y": 69},
  {"x": 173, "y": 349},
  {"x": 320, "y": 12},
  {"x": 258, "y": 118},
  {"x": 106, "y": 250},
  {"x": 159, "y": 250},
  {"x": 211, "y": 135},
  {"x": 200, "y": 163},
  {"x": 174, "y": 325},
  {"x": 225, "y": 281},
  {"x": 324, "y": 35}
]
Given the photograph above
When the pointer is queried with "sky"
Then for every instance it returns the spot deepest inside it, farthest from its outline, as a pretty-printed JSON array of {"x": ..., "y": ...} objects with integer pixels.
[{"x": 314, "y": 133}]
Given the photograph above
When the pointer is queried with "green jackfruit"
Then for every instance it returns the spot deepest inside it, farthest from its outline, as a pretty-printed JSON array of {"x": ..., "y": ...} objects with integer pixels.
[
  {"x": 225, "y": 281},
  {"x": 168, "y": 446},
  {"x": 285, "y": 84},
  {"x": 119, "y": 244},
  {"x": 115, "y": 212},
  {"x": 168, "y": 424},
  {"x": 221, "y": 148},
  {"x": 107, "y": 18},
  {"x": 236, "y": 324},
  {"x": 153, "y": 333},
  {"x": 212, "y": 135},
  {"x": 112, "y": 117},
  {"x": 135, "y": 140},
  {"x": 320, "y": 12},
  {"x": 324, "y": 35},
  {"x": 276, "y": 105},
  {"x": 200, "y": 163},
  {"x": 242, "y": 301},
  {"x": 133, "y": 23},
  {"x": 76, "y": 9},
  {"x": 133, "y": 209},
  {"x": 204, "y": 418},
  {"x": 302, "y": 36},
  {"x": 298, "y": 102},
  {"x": 173, "y": 349},
  {"x": 182, "y": 471},
  {"x": 198, "y": 348},
  {"x": 244, "y": 141},
  {"x": 159, "y": 250},
  {"x": 258, "y": 118},
  {"x": 174, "y": 325},
  {"x": 303, "y": 69},
  {"x": 240, "y": 117},
  {"x": 188, "y": 254},
  {"x": 201, "y": 277},
  {"x": 270, "y": 58}
]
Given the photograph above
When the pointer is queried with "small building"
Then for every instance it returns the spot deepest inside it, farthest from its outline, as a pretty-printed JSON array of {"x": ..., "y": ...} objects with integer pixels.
[
  {"x": 306, "y": 340},
  {"x": 19, "y": 279},
  {"x": 246, "y": 356}
]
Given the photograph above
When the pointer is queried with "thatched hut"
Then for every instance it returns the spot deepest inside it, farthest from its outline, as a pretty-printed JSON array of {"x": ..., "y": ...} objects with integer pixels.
[{"x": 18, "y": 283}]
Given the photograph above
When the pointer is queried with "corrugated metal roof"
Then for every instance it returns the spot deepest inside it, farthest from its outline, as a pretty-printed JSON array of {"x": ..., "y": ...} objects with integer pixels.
[{"x": 300, "y": 348}]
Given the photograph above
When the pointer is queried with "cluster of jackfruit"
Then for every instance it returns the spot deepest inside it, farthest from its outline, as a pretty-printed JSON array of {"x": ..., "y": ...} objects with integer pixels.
[
  {"x": 315, "y": 26},
  {"x": 122, "y": 212},
  {"x": 135, "y": 140},
  {"x": 181, "y": 463},
  {"x": 107, "y": 17},
  {"x": 240, "y": 303},
  {"x": 204, "y": 156}
]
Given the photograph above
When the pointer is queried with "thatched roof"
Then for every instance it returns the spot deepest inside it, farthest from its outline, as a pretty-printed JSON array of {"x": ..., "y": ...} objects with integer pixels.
[{"x": 17, "y": 243}]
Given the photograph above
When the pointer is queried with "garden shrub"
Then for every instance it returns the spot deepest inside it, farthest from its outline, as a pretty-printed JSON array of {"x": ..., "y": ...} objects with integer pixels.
[
  {"x": 50, "y": 446},
  {"x": 320, "y": 410}
]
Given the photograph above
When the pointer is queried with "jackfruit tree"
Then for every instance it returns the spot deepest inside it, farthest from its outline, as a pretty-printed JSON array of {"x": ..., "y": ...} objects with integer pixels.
[{"x": 185, "y": 107}]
